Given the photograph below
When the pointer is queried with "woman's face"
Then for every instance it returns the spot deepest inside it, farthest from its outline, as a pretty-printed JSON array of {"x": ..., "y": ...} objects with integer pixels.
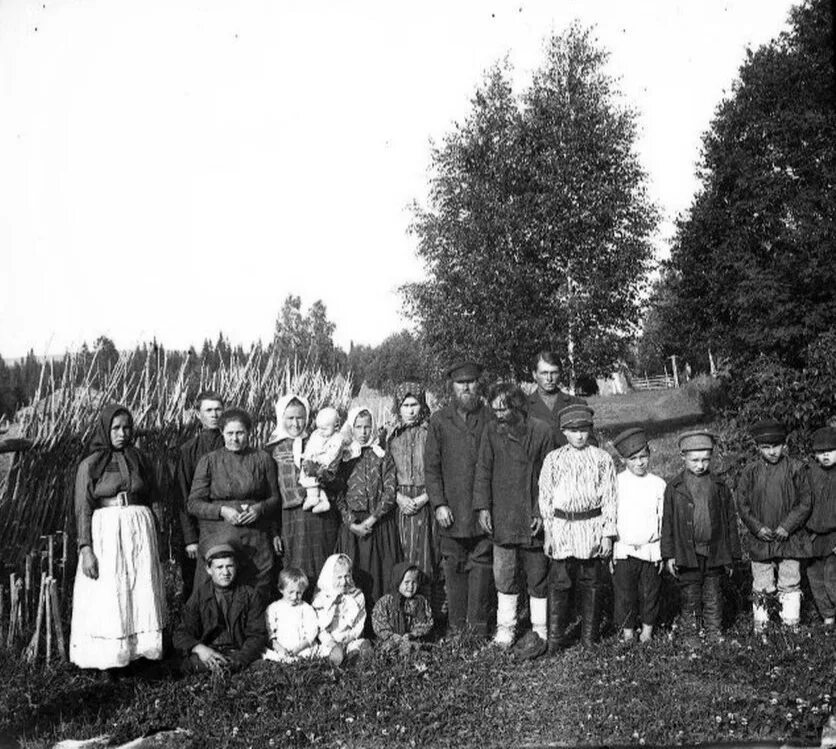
[
  {"x": 410, "y": 410},
  {"x": 120, "y": 431},
  {"x": 363, "y": 427},
  {"x": 236, "y": 436},
  {"x": 294, "y": 419}
]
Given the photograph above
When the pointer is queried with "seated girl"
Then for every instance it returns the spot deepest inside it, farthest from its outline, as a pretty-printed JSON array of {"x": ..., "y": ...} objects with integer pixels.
[
  {"x": 341, "y": 611},
  {"x": 402, "y": 617},
  {"x": 292, "y": 624}
]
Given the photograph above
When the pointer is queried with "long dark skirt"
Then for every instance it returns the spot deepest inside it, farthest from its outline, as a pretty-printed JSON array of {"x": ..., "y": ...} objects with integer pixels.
[
  {"x": 373, "y": 557},
  {"x": 309, "y": 539}
]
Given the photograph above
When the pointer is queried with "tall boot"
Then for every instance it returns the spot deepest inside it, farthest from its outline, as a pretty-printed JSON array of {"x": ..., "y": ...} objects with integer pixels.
[
  {"x": 559, "y": 602},
  {"x": 591, "y": 615},
  {"x": 457, "y": 589},
  {"x": 506, "y": 620}
]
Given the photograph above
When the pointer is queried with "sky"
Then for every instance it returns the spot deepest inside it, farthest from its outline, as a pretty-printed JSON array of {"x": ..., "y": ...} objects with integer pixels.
[{"x": 176, "y": 168}]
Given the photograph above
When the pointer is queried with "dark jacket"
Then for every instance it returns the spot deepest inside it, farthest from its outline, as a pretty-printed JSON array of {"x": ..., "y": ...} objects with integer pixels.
[
  {"x": 507, "y": 478},
  {"x": 191, "y": 452},
  {"x": 450, "y": 464},
  {"x": 772, "y": 496},
  {"x": 822, "y": 520},
  {"x": 201, "y": 623},
  {"x": 678, "y": 525},
  {"x": 539, "y": 410}
]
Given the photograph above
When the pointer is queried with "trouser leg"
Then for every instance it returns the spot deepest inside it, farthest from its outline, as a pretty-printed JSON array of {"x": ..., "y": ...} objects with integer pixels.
[
  {"x": 625, "y": 582},
  {"x": 712, "y": 599},
  {"x": 815, "y": 576},
  {"x": 454, "y": 560},
  {"x": 480, "y": 589},
  {"x": 690, "y": 590},
  {"x": 536, "y": 565},
  {"x": 789, "y": 591},
  {"x": 650, "y": 585},
  {"x": 560, "y": 586}
]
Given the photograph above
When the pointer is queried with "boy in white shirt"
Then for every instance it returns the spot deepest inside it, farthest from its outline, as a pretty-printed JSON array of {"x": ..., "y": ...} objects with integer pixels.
[{"x": 637, "y": 555}]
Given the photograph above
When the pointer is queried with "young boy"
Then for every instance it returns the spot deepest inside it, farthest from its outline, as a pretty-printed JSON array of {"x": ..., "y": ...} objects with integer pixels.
[
  {"x": 821, "y": 571},
  {"x": 505, "y": 494},
  {"x": 773, "y": 500},
  {"x": 292, "y": 623},
  {"x": 222, "y": 624},
  {"x": 699, "y": 533},
  {"x": 577, "y": 504},
  {"x": 637, "y": 553}
]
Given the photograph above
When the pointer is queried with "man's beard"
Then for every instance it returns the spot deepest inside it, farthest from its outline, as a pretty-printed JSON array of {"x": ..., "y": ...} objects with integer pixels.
[
  {"x": 467, "y": 402},
  {"x": 514, "y": 424}
]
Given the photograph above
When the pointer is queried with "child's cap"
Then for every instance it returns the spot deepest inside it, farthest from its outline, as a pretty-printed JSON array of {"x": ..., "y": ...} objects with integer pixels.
[
  {"x": 630, "y": 441},
  {"x": 824, "y": 440},
  {"x": 768, "y": 432},
  {"x": 576, "y": 415},
  {"x": 696, "y": 440}
]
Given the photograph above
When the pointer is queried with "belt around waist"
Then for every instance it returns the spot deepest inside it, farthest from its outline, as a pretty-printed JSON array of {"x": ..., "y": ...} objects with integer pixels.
[
  {"x": 411, "y": 491},
  {"x": 583, "y": 515},
  {"x": 123, "y": 499}
]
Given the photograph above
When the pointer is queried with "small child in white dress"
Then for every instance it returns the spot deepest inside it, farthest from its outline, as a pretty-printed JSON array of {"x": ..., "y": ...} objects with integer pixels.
[
  {"x": 321, "y": 457},
  {"x": 292, "y": 624}
]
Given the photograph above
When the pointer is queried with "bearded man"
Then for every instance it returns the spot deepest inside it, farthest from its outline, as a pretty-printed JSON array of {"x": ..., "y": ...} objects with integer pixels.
[
  {"x": 450, "y": 454},
  {"x": 506, "y": 497}
]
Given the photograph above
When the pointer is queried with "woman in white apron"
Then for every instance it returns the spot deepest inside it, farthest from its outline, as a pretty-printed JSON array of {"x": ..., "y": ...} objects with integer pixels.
[{"x": 119, "y": 600}]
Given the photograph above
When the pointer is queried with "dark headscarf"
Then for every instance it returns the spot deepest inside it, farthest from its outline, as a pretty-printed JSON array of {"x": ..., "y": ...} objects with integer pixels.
[
  {"x": 402, "y": 392},
  {"x": 101, "y": 447},
  {"x": 401, "y": 625}
]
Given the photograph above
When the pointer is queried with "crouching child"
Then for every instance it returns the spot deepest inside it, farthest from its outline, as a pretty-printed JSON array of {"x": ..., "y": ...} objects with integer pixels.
[
  {"x": 699, "y": 534},
  {"x": 292, "y": 623},
  {"x": 222, "y": 625},
  {"x": 402, "y": 617}
]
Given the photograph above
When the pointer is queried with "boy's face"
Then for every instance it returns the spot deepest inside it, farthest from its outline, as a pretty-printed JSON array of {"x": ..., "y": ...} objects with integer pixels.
[
  {"x": 342, "y": 579},
  {"x": 222, "y": 571},
  {"x": 577, "y": 437},
  {"x": 637, "y": 463},
  {"x": 697, "y": 462},
  {"x": 771, "y": 453},
  {"x": 293, "y": 593},
  {"x": 409, "y": 585},
  {"x": 826, "y": 458}
]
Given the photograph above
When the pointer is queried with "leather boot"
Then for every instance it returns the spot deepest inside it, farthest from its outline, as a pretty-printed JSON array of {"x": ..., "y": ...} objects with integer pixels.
[
  {"x": 590, "y": 616},
  {"x": 558, "y": 619}
]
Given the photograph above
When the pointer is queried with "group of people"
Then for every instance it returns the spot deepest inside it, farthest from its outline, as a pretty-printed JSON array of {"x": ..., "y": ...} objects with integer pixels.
[{"x": 437, "y": 516}]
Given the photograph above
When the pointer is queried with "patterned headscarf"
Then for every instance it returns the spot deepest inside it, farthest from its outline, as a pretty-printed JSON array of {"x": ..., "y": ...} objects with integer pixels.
[
  {"x": 280, "y": 433},
  {"x": 399, "y": 571},
  {"x": 102, "y": 448}
]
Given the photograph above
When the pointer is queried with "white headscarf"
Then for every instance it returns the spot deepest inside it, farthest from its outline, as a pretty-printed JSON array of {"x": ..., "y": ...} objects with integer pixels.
[
  {"x": 325, "y": 598},
  {"x": 352, "y": 447},
  {"x": 280, "y": 433}
]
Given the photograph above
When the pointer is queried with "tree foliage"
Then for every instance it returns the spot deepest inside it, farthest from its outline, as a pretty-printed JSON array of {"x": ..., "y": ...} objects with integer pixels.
[
  {"x": 399, "y": 357},
  {"x": 537, "y": 229},
  {"x": 751, "y": 271},
  {"x": 307, "y": 339}
]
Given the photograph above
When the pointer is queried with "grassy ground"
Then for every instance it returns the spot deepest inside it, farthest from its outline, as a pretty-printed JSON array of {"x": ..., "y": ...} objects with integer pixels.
[{"x": 459, "y": 694}]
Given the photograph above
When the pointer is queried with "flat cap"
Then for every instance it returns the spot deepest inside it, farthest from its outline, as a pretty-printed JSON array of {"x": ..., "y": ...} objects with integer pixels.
[
  {"x": 630, "y": 441},
  {"x": 219, "y": 550},
  {"x": 768, "y": 432},
  {"x": 824, "y": 440},
  {"x": 696, "y": 440},
  {"x": 575, "y": 415},
  {"x": 464, "y": 371}
]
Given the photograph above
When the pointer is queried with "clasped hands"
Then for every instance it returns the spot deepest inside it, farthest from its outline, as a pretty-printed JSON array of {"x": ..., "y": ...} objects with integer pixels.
[
  {"x": 411, "y": 505},
  {"x": 243, "y": 517},
  {"x": 363, "y": 528},
  {"x": 767, "y": 534}
]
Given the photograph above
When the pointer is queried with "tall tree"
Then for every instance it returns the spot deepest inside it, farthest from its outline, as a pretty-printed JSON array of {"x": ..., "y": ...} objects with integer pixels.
[
  {"x": 751, "y": 270},
  {"x": 537, "y": 231}
]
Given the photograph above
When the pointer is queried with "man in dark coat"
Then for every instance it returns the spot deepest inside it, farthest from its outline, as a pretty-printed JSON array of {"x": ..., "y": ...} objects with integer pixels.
[
  {"x": 450, "y": 455},
  {"x": 506, "y": 495},
  {"x": 208, "y": 407},
  {"x": 548, "y": 399},
  {"x": 222, "y": 624}
]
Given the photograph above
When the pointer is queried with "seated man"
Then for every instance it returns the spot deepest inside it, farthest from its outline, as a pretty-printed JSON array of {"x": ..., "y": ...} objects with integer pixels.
[{"x": 223, "y": 622}]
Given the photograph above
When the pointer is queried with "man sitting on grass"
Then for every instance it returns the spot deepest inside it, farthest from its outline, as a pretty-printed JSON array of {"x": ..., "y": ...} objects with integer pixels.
[{"x": 223, "y": 622}]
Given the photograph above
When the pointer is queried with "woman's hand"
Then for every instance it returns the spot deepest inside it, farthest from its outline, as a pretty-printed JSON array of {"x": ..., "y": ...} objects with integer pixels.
[
  {"x": 406, "y": 504},
  {"x": 89, "y": 563},
  {"x": 421, "y": 500},
  {"x": 250, "y": 513},
  {"x": 360, "y": 529},
  {"x": 230, "y": 515}
]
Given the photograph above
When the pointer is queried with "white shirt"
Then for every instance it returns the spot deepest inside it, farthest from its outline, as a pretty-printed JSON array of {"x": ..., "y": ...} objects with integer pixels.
[{"x": 639, "y": 504}]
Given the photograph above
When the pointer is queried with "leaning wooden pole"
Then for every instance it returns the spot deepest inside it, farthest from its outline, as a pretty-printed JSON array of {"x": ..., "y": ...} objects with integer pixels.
[
  {"x": 31, "y": 652},
  {"x": 56, "y": 621}
]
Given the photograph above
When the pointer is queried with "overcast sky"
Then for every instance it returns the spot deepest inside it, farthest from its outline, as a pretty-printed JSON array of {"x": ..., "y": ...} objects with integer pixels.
[{"x": 173, "y": 168}]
